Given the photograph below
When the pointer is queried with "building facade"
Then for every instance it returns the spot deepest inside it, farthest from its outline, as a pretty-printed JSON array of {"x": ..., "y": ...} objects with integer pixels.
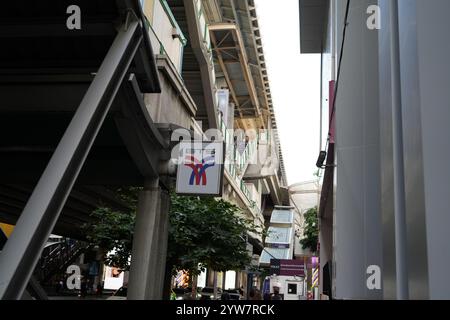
[
  {"x": 209, "y": 54},
  {"x": 96, "y": 108},
  {"x": 383, "y": 201}
]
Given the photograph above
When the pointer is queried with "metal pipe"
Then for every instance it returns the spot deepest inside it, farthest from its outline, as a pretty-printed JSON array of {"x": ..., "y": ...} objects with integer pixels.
[
  {"x": 399, "y": 170},
  {"x": 321, "y": 101}
]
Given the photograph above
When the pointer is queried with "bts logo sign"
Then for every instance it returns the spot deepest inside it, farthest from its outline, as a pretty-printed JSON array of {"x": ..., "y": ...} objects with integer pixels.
[{"x": 200, "y": 168}]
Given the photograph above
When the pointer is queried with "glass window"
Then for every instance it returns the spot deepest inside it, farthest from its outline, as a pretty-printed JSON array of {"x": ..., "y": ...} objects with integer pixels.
[{"x": 292, "y": 288}]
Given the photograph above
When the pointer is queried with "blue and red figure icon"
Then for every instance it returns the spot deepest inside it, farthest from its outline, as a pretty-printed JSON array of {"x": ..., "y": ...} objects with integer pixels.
[{"x": 198, "y": 167}]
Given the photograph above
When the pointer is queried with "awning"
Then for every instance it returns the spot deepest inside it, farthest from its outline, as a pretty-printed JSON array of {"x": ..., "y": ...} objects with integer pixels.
[
  {"x": 273, "y": 253},
  {"x": 282, "y": 217},
  {"x": 279, "y": 235}
]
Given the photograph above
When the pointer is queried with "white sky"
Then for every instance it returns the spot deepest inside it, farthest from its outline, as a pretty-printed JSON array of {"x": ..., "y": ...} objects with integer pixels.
[{"x": 295, "y": 86}]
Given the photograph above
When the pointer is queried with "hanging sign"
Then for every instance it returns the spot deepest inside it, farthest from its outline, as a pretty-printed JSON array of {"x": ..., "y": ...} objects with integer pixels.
[{"x": 200, "y": 168}]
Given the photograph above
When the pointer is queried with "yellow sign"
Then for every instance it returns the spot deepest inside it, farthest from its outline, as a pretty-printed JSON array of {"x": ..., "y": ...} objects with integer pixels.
[{"x": 6, "y": 228}]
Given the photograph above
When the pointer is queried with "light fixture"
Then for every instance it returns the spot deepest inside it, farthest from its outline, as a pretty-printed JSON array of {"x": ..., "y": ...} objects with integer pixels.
[{"x": 321, "y": 160}]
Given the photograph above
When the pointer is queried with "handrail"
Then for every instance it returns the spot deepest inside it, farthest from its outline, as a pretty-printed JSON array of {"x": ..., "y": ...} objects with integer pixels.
[
  {"x": 237, "y": 161},
  {"x": 56, "y": 257},
  {"x": 162, "y": 49},
  {"x": 173, "y": 21}
]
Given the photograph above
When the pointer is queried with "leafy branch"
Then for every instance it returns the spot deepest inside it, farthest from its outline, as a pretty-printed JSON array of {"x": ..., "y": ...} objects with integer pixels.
[{"x": 311, "y": 231}]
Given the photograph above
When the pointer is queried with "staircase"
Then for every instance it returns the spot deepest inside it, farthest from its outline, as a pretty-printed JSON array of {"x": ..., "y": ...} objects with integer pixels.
[{"x": 57, "y": 257}]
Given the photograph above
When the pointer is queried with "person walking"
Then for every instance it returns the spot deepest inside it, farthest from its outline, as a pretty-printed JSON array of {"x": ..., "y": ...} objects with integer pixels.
[
  {"x": 258, "y": 295},
  {"x": 276, "y": 294},
  {"x": 255, "y": 294},
  {"x": 83, "y": 288}
]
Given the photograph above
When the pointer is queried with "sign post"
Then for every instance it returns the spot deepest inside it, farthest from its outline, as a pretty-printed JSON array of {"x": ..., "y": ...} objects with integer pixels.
[{"x": 200, "y": 168}]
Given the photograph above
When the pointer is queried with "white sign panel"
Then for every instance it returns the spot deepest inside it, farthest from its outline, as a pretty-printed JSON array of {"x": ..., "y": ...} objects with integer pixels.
[
  {"x": 223, "y": 97},
  {"x": 200, "y": 168}
]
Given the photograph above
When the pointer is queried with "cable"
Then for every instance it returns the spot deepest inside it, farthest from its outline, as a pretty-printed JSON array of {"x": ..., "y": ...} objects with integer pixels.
[{"x": 339, "y": 72}]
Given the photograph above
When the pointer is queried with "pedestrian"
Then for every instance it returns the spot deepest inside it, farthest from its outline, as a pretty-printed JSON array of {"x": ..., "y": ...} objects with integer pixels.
[
  {"x": 276, "y": 294},
  {"x": 255, "y": 294},
  {"x": 99, "y": 288},
  {"x": 251, "y": 294},
  {"x": 61, "y": 286},
  {"x": 258, "y": 295},
  {"x": 83, "y": 288}
]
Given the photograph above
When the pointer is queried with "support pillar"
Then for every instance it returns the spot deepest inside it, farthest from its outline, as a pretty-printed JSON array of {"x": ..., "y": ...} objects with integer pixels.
[
  {"x": 149, "y": 244},
  {"x": 210, "y": 278},
  {"x": 162, "y": 244}
]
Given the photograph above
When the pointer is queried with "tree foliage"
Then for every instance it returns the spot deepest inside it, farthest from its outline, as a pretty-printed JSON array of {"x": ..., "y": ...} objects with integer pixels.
[
  {"x": 208, "y": 233},
  {"x": 311, "y": 231},
  {"x": 113, "y": 232},
  {"x": 203, "y": 232}
]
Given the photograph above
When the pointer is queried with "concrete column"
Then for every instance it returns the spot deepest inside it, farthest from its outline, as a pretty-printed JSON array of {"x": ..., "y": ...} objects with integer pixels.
[
  {"x": 146, "y": 266},
  {"x": 210, "y": 278},
  {"x": 162, "y": 244},
  {"x": 224, "y": 280}
]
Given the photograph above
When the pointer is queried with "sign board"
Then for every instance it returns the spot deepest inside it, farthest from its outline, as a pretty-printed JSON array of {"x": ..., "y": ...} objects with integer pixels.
[
  {"x": 223, "y": 97},
  {"x": 274, "y": 266},
  {"x": 287, "y": 267},
  {"x": 200, "y": 168}
]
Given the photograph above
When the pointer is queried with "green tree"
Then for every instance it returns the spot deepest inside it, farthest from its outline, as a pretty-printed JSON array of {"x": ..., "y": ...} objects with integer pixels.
[
  {"x": 112, "y": 230},
  {"x": 203, "y": 233},
  {"x": 207, "y": 233},
  {"x": 311, "y": 231}
]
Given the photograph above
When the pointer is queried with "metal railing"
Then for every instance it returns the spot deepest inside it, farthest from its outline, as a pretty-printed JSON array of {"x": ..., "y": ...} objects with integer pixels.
[
  {"x": 235, "y": 163},
  {"x": 174, "y": 56},
  {"x": 56, "y": 257},
  {"x": 205, "y": 36}
]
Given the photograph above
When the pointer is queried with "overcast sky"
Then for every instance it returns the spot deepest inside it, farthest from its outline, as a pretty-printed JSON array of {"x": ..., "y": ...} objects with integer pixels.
[{"x": 295, "y": 85}]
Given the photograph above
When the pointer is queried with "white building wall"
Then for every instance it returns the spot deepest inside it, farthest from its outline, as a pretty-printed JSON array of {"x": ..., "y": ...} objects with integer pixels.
[
  {"x": 364, "y": 229},
  {"x": 358, "y": 233},
  {"x": 434, "y": 70}
]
